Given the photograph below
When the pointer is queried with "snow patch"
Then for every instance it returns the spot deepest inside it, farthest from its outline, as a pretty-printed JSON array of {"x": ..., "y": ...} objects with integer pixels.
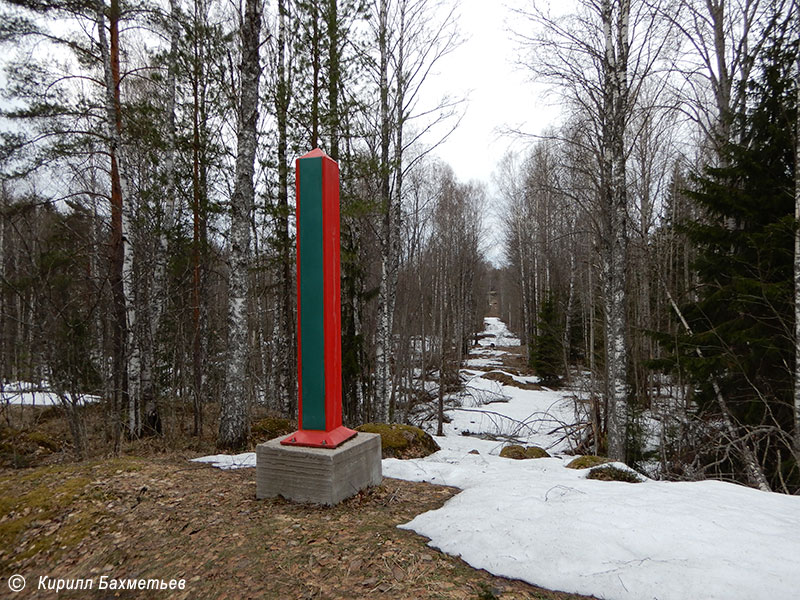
[
  {"x": 25, "y": 393},
  {"x": 497, "y": 334},
  {"x": 246, "y": 460},
  {"x": 538, "y": 521}
]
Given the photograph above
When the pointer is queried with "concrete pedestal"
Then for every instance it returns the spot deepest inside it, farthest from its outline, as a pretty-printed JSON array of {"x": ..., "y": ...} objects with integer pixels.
[{"x": 318, "y": 475}]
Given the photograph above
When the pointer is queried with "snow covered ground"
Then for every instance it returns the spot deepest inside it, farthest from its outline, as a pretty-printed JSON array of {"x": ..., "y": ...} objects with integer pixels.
[
  {"x": 538, "y": 521},
  {"x": 34, "y": 394},
  {"x": 497, "y": 334}
]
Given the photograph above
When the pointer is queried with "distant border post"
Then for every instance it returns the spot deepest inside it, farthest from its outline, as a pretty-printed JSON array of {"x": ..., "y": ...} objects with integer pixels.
[{"x": 323, "y": 461}]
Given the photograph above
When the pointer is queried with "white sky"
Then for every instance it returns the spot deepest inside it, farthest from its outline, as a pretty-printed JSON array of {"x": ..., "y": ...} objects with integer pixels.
[{"x": 501, "y": 95}]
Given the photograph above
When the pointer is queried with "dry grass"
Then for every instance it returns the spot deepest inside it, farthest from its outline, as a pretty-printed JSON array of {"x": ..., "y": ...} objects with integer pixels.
[{"x": 506, "y": 379}]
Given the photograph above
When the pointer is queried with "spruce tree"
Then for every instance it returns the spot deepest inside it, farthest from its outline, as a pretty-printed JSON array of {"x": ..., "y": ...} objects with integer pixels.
[
  {"x": 741, "y": 321},
  {"x": 546, "y": 354}
]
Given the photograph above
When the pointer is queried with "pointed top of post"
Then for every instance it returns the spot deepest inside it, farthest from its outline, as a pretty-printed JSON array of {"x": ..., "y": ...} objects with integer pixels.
[{"x": 315, "y": 153}]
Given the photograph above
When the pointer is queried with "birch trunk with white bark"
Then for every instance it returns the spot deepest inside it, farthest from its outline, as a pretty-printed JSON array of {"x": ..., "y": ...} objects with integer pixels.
[
  {"x": 797, "y": 257},
  {"x": 394, "y": 208},
  {"x": 568, "y": 314},
  {"x": 287, "y": 369},
  {"x": 385, "y": 293},
  {"x": 134, "y": 351},
  {"x": 615, "y": 196},
  {"x": 523, "y": 277},
  {"x": 234, "y": 411}
]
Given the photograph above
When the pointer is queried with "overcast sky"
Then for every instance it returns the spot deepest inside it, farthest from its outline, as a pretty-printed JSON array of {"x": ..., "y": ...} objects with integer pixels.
[{"x": 500, "y": 93}]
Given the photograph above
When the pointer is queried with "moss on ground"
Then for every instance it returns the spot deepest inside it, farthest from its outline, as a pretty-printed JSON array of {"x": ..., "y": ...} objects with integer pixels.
[
  {"x": 38, "y": 507},
  {"x": 536, "y": 452},
  {"x": 269, "y": 428},
  {"x": 612, "y": 473},
  {"x": 588, "y": 461},
  {"x": 163, "y": 517},
  {"x": 402, "y": 441},
  {"x": 20, "y": 448},
  {"x": 44, "y": 501},
  {"x": 518, "y": 452}
]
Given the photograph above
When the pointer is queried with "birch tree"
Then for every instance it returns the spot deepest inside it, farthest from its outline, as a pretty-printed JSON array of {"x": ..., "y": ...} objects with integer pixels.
[
  {"x": 82, "y": 120},
  {"x": 519, "y": 227},
  {"x": 721, "y": 40},
  {"x": 411, "y": 39},
  {"x": 151, "y": 422},
  {"x": 614, "y": 207},
  {"x": 797, "y": 243},
  {"x": 234, "y": 417},
  {"x": 283, "y": 98},
  {"x": 599, "y": 57},
  {"x": 127, "y": 362},
  {"x": 383, "y": 346}
]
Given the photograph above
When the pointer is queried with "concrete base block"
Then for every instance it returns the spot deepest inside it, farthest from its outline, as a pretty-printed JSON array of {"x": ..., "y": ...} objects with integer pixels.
[{"x": 318, "y": 475}]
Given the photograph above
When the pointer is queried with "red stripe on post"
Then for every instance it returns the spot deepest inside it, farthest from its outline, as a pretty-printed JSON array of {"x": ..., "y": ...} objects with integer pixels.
[
  {"x": 332, "y": 294},
  {"x": 299, "y": 308}
]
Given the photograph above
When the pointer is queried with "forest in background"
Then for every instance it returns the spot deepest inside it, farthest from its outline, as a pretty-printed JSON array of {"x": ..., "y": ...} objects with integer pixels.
[
  {"x": 652, "y": 237},
  {"x": 651, "y": 242},
  {"x": 148, "y": 205}
]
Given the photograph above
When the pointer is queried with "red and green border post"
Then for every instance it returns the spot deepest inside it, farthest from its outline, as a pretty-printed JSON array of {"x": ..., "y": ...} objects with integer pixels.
[{"x": 319, "y": 306}]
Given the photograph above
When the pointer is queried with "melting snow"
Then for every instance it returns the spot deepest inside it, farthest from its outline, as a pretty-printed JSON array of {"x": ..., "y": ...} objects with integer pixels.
[
  {"x": 35, "y": 394},
  {"x": 538, "y": 521}
]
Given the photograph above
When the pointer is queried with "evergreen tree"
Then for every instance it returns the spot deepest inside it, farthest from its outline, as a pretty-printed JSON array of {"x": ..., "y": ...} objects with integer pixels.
[
  {"x": 741, "y": 322},
  {"x": 546, "y": 354}
]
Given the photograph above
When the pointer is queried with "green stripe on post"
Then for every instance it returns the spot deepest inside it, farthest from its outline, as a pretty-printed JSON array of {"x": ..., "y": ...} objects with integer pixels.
[{"x": 312, "y": 333}]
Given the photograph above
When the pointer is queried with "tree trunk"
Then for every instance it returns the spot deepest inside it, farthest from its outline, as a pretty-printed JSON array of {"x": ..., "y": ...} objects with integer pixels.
[
  {"x": 722, "y": 89},
  {"x": 523, "y": 276},
  {"x": 615, "y": 196},
  {"x": 234, "y": 417},
  {"x": 568, "y": 314},
  {"x": 333, "y": 78},
  {"x": 442, "y": 361},
  {"x": 385, "y": 300},
  {"x": 594, "y": 405},
  {"x": 288, "y": 385},
  {"x": 5, "y": 351},
  {"x": 198, "y": 215},
  {"x": 315, "y": 83},
  {"x": 133, "y": 347},
  {"x": 797, "y": 258},
  {"x": 395, "y": 199},
  {"x": 77, "y": 428},
  {"x": 118, "y": 243},
  {"x": 151, "y": 417}
]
